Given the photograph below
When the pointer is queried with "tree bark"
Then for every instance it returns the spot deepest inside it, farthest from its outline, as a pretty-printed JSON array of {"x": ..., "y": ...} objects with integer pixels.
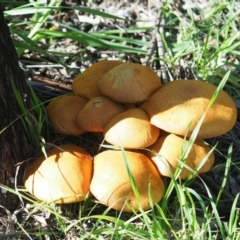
[{"x": 14, "y": 146}]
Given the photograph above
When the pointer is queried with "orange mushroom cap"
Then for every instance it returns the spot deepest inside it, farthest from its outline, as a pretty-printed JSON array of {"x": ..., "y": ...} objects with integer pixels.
[
  {"x": 178, "y": 106},
  {"x": 131, "y": 129},
  {"x": 170, "y": 148},
  {"x": 129, "y": 83},
  {"x": 97, "y": 112},
  {"x": 63, "y": 177},
  {"x": 85, "y": 84},
  {"x": 62, "y": 113},
  {"x": 111, "y": 183}
]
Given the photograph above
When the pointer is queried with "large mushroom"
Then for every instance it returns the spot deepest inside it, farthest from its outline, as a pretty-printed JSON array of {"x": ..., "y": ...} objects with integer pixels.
[
  {"x": 85, "y": 84},
  {"x": 178, "y": 106},
  {"x": 169, "y": 149},
  {"x": 112, "y": 185},
  {"x": 131, "y": 129},
  {"x": 129, "y": 83},
  {"x": 62, "y": 113},
  {"x": 63, "y": 176}
]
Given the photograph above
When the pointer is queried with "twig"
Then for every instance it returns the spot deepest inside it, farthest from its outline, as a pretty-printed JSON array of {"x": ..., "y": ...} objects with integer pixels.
[
  {"x": 157, "y": 43},
  {"x": 153, "y": 43}
]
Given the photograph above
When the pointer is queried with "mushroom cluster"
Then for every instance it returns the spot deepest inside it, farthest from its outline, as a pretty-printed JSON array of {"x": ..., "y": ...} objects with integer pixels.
[{"x": 127, "y": 103}]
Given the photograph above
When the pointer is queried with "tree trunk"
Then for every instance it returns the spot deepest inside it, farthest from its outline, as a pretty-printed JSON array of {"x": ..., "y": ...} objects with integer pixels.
[{"x": 14, "y": 146}]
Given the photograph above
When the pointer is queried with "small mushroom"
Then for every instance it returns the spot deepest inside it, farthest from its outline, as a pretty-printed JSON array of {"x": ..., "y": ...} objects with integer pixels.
[
  {"x": 111, "y": 183},
  {"x": 84, "y": 84},
  {"x": 169, "y": 149},
  {"x": 63, "y": 177},
  {"x": 97, "y": 112},
  {"x": 131, "y": 129},
  {"x": 62, "y": 113},
  {"x": 178, "y": 106},
  {"x": 129, "y": 83}
]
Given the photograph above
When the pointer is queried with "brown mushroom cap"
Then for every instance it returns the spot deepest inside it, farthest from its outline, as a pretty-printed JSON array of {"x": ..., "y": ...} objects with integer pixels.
[
  {"x": 111, "y": 184},
  {"x": 178, "y": 106},
  {"x": 63, "y": 177},
  {"x": 62, "y": 113},
  {"x": 131, "y": 129},
  {"x": 84, "y": 84},
  {"x": 97, "y": 112},
  {"x": 129, "y": 83},
  {"x": 170, "y": 148}
]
